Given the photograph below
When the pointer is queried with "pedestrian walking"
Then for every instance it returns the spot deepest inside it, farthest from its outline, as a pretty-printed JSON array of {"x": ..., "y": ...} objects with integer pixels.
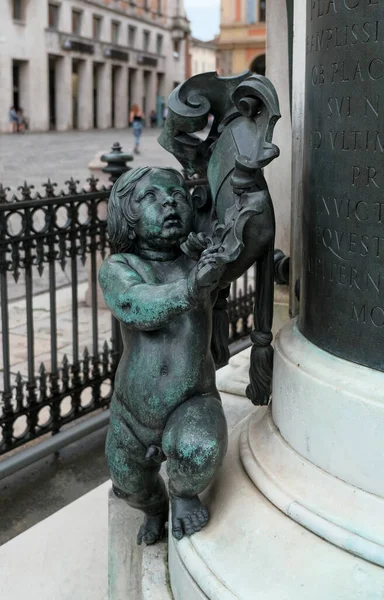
[
  {"x": 153, "y": 117},
  {"x": 136, "y": 119},
  {"x": 12, "y": 120}
]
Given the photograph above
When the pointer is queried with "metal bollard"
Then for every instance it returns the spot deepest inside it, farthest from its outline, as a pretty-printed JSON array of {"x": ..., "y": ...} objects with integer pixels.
[{"x": 116, "y": 161}]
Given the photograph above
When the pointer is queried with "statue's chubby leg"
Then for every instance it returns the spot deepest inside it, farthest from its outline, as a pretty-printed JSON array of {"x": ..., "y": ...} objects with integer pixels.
[
  {"x": 136, "y": 479},
  {"x": 195, "y": 441}
]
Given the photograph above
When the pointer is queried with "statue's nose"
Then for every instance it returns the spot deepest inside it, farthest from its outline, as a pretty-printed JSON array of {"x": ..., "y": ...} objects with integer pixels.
[{"x": 169, "y": 201}]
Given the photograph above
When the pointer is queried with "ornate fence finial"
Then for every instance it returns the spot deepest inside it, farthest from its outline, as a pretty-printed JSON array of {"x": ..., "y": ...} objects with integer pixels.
[
  {"x": 92, "y": 181},
  {"x": 3, "y": 193},
  {"x": 49, "y": 189},
  {"x": 72, "y": 186},
  {"x": 26, "y": 191}
]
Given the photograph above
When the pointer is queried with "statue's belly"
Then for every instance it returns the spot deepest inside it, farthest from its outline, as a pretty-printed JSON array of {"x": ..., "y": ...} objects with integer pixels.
[{"x": 159, "y": 370}]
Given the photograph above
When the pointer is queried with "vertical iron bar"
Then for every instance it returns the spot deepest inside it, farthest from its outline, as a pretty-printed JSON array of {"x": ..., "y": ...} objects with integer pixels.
[
  {"x": 75, "y": 310},
  {"x": 95, "y": 325},
  {"x": 245, "y": 303},
  {"x": 29, "y": 309},
  {"x": 31, "y": 384},
  {"x": 54, "y": 378},
  {"x": 52, "y": 297},
  {"x": 234, "y": 289},
  {"x": 245, "y": 283},
  {"x": 75, "y": 393},
  {"x": 5, "y": 321},
  {"x": 53, "y": 317},
  {"x": 7, "y": 393}
]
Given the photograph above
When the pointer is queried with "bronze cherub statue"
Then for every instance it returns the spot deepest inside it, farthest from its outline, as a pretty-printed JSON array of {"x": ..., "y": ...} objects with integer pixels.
[{"x": 176, "y": 256}]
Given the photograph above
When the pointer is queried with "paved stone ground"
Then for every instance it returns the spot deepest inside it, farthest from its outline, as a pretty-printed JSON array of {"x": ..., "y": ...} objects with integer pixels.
[{"x": 35, "y": 157}]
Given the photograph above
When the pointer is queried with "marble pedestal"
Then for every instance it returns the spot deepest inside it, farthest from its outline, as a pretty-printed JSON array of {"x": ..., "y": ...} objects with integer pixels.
[{"x": 298, "y": 507}]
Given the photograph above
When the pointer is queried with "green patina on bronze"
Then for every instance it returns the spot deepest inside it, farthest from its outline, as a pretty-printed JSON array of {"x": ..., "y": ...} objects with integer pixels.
[{"x": 173, "y": 263}]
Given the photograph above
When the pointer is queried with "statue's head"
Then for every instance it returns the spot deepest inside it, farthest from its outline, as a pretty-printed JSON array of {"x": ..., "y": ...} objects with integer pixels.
[{"x": 149, "y": 208}]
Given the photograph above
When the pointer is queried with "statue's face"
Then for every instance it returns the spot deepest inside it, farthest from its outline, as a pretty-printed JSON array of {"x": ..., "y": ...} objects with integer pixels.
[{"x": 165, "y": 211}]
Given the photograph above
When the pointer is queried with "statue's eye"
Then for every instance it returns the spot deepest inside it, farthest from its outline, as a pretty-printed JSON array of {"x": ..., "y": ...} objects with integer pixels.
[
  {"x": 150, "y": 196},
  {"x": 179, "y": 196}
]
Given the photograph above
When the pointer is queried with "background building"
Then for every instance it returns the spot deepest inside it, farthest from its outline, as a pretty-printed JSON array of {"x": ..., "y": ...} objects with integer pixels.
[
  {"x": 241, "y": 43},
  {"x": 202, "y": 56},
  {"x": 82, "y": 63}
]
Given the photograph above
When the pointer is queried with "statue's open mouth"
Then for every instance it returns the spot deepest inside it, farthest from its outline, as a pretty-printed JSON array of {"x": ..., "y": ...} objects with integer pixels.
[{"x": 173, "y": 219}]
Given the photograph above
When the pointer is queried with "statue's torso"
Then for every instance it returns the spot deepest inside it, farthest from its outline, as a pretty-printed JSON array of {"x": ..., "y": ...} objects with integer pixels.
[{"x": 160, "y": 369}]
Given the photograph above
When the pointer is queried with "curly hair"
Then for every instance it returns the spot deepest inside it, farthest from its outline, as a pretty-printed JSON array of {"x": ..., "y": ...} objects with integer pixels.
[{"x": 122, "y": 216}]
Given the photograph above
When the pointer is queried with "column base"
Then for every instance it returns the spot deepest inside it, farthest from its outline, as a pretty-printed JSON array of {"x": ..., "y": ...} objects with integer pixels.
[
  {"x": 297, "y": 510},
  {"x": 251, "y": 550}
]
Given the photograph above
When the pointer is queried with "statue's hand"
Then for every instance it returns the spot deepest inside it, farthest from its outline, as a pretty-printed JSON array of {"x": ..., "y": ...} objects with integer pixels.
[
  {"x": 210, "y": 268},
  {"x": 194, "y": 245}
]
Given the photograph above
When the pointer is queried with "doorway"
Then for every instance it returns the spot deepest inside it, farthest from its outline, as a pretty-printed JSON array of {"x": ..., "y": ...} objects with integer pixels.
[
  {"x": 52, "y": 92},
  {"x": 75, "y": 94}
]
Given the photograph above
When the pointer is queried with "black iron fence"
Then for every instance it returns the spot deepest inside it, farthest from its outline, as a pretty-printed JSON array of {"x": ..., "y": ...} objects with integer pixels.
[{"x": 59, "y": 353}]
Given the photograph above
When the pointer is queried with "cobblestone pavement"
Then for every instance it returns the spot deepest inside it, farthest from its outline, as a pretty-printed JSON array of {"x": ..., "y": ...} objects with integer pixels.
[{"x": 35, "y": 157}]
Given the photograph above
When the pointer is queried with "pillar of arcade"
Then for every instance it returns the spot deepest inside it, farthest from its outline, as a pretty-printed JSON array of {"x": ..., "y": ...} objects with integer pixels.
[{"x": 298, "y": 507}]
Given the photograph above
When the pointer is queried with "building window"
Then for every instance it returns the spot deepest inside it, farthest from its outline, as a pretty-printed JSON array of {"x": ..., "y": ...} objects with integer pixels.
[
  {"x": 262, "y": 12},
  {"x": 146, "y": 4},
  {"x": 159, "y": 7},
  {"x": 96, "y": 27},
  {"x": 76, "y": 21},
  {"x": 132, "y": 36},
  {"x": 251, "y": 11},
  {"x": 115, "y": 30},
  {"x": 159, "y": 44},
  {"x": 53, "y": 16},
  {"x": 176, "y": 48},
  {"x": 146, "y": 40},
  {"x": 18, "y": 10}
]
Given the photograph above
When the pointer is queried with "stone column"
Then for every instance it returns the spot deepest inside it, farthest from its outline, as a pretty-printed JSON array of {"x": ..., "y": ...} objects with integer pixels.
[
  {"x": 104, "y": 104},
  {"x": 298, "y": 95},
  {"x": 6, "y": 96},
  {"x": 121, "y": 98},
  {"x": 85, "y": 119},
  {"x": 151, "y": 102},
  {"x": 138, "y": 87},
  {"x": 63, "y": 77},
  {"x": 278, "y": 173}
]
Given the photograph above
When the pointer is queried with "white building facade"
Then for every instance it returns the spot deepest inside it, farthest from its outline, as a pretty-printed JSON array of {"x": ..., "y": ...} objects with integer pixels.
[
  {"x": 82, "y": 63},
  {"x": 203, "y": 56}
]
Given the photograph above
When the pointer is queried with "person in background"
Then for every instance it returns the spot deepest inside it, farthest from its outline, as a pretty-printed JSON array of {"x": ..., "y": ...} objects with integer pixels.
[
  {"x": 136, "y": 119},
  {"x": 12, "y": 120},
  {"x": 20, "y": 121},
  {"x": 153, "y": 117}
]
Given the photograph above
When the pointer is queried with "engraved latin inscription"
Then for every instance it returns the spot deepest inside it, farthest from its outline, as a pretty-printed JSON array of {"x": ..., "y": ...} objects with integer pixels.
[{"x": 343, "y": 242}]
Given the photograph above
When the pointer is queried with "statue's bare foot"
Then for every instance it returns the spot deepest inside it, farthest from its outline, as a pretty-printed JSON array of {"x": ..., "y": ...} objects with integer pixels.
[
  {"x": 153, "y": 529},
  {"x": 188, "y": 516}
]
